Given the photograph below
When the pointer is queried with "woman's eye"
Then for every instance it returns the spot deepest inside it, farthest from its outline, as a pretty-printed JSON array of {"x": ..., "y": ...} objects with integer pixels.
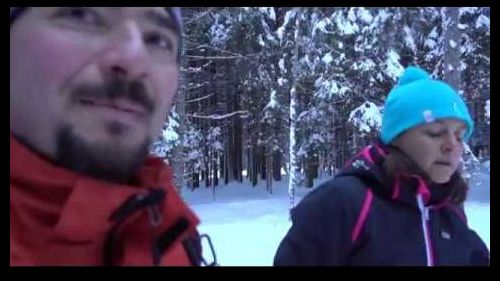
[
  {"x": 81, "y": 15},
  {"x": 434, "y": 134}
]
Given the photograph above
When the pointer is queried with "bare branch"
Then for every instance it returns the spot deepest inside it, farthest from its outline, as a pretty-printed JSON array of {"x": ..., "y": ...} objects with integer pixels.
[
  {"x": 214, "y": 57},
  {"x": 198, "y": 99},
  {"x": 199, "y": 16},
  {"x": 220, "y": 117},
  {"x": 197, "y": 86}
]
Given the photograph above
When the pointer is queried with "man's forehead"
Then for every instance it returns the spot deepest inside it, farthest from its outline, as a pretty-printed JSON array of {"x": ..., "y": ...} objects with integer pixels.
[
  {"x": 162, "y": 17},
  {"x": 158, "y": 10}
]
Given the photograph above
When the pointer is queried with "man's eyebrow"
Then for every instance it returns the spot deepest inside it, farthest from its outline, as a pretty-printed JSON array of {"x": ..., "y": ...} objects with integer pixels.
[{"x": 161, "y": 20}]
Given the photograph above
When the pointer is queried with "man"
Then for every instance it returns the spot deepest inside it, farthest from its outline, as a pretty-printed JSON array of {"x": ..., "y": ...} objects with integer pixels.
[{"x": 89, "y": 90}]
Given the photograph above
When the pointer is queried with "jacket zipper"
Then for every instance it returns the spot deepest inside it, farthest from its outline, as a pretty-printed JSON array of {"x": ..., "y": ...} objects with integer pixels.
[{"x": 424, "y": 212}]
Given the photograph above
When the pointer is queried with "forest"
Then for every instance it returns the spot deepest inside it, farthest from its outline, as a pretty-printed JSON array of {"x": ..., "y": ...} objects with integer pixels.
[{"x": 273, "y": 91}]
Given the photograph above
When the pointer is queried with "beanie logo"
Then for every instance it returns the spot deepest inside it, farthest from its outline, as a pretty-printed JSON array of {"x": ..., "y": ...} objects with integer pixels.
[{"x": 428, "y": 116}]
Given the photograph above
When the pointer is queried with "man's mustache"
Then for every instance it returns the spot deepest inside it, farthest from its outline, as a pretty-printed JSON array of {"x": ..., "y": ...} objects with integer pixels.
[{"x": 113, "y": 89}]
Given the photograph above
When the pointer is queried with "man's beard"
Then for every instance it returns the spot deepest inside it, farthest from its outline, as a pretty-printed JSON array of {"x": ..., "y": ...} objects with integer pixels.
[
  {"x": 109, "y": 160},
  {"x": 105, "y": 160}
]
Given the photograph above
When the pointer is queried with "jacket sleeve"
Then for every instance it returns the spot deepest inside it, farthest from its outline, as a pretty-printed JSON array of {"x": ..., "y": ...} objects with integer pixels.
[
  {"x": 322, "y": 225},
  {"x": 480, "y": 256}
]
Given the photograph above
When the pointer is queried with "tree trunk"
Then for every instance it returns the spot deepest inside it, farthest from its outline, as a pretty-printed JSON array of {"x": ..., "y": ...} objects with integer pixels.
[
  {"x": 451, "y": 46},
  {"x": 262, "y": 164},
  {"x": 177, "y": 162},
  {"x": 196, "y": 180},
  {"x": 269, "y": 170},
  {"x": 277, "y": 166},
  {"x": 294, "y": 169},
  {"x": 215, "y": 169},
  {"x": 254, "y": 167}
]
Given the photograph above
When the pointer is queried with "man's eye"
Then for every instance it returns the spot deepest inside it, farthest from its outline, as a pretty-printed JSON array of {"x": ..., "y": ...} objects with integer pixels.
[
  {"x": 158, "y": 40},
  {"x": 81, "y": 14}
]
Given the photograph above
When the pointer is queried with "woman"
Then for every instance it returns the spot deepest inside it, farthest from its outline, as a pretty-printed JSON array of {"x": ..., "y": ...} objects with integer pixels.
[{"x": 400, "y": 200}]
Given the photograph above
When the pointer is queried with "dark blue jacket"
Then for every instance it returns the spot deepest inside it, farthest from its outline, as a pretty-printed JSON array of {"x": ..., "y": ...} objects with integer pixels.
[{"x": 354, "y": 220}]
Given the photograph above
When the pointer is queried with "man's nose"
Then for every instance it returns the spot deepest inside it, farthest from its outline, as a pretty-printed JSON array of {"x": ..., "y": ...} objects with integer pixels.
[{"x": 125, "y": 52}]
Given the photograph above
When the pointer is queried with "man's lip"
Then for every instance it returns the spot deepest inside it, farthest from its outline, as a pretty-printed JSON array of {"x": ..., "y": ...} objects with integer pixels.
[{"x": 120, "y": 104}]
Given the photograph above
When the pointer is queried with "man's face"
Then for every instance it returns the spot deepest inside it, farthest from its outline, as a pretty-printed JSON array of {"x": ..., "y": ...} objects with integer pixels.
[{"x": 91, "y": 87}]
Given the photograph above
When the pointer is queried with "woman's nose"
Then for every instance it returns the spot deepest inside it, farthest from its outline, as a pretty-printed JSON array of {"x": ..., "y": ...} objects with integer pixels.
[{"x": 450, "y": 143}]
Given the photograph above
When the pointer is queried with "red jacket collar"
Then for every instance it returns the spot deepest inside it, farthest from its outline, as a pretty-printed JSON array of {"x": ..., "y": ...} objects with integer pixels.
[{"x": 78, "y": 207}]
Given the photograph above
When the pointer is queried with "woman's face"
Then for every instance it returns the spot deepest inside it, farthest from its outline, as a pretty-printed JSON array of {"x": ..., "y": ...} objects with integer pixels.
[{"x": 436, "y": 147}]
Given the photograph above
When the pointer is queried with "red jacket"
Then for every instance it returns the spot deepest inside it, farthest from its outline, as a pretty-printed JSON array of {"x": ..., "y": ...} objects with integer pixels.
[{"x": 58, "y": 217}]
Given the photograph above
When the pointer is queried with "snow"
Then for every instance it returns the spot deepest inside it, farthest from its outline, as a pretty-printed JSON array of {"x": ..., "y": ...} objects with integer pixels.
[
  {"x": 365, "y": 15},
  {"x": 272, "y": 101},
  {"x": 321, "y": 25},
  {"x": 288, "y": 16},
  {"x": 465, "y": 10},
  {"x": 453, "y": 44},
  {"x": 194, "y": 155},
  {"x": 292, "y": 150},
  {"x": 169, "y": 133},
  {"x": 218, "y": 33},
  {"x": 326, "y": 89},
  {"x": 281, "y": 81},
  {"x": 269, "y": 11},
  {"x": 487, "y": 110},
  {"x": 433, "y": 33},
  {"x": 352, "y": 15},
  {"x": 345, "y": 27},
  {"x": 366, "y": 117},
  {"x": 365, "y": 65},
  {"x": 409, "y": 39},
  {"x": 478, "y": 218},
  {"x": 327, "y": 59},
  {"x": 393, "y": 68},
  {"x": 483, "y": 20},
  {"x": 281, "y": 64},
  {"x": 261, "y": 42},
  {"x": 246, "y": 224},
  {"x": 486, "y": 165}
]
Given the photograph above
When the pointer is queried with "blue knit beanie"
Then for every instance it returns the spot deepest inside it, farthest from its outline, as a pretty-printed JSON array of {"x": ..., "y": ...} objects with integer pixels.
[
  {"x": 417, "y": 99},
  {"x": 174, "y": 12}
]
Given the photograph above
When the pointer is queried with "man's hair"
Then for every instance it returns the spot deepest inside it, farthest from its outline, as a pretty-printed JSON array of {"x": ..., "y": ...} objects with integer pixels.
[{"x": 173, "y": 12}]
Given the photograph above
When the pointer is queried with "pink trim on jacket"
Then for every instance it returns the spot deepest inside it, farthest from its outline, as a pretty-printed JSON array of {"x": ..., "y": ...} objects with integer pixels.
[
  {"x": 396, "y": 190},
  {"x": 362, "y": 215}
]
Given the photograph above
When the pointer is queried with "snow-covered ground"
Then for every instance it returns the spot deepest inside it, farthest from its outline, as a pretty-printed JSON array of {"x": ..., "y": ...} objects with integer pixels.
[{"x": 247, "y": 224}]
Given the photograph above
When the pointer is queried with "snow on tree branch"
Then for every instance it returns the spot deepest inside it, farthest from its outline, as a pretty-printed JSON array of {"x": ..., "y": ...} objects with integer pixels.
[
  {"x": 199, "y": 99},
  {"x": 366, "y": 117},
  {"x": 393, "y": 68},
  {"x": 244, "y": 114},
  {"x": 487, "y": 111}
]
